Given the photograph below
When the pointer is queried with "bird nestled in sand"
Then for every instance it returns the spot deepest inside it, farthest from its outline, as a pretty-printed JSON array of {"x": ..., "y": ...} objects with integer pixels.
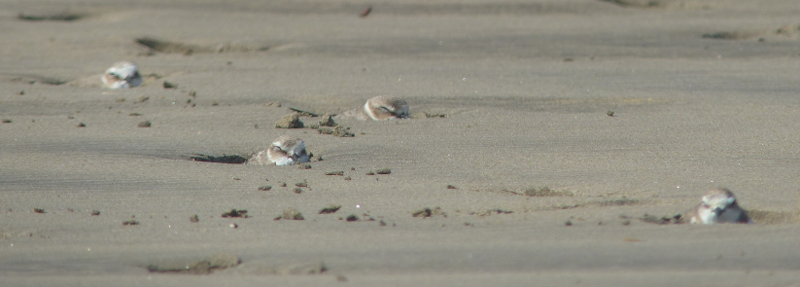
[
  {"x": 123, "y": 75},
  {"x": 719, "y": 206},
  {"x": 285, "y": 150},
  {"x": 379, "y": 108}
]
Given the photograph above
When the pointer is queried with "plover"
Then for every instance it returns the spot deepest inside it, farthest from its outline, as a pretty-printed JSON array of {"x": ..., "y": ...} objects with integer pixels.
[
  {"x": 379, "y": 108},
  {"x": 719, "y": 206},
  {"x": 122, "y": 75},
  {"x": 285, "y": 150}
]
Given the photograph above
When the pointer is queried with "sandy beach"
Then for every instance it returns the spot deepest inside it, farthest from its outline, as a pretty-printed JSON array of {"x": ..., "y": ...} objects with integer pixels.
[{"x": 551, "y": 143}]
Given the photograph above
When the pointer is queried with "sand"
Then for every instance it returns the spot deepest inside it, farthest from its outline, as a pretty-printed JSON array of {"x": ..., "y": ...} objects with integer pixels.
[{"x": 703, "y": 94}]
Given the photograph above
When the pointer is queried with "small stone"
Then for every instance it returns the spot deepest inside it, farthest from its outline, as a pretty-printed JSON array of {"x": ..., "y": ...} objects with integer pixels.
[
  {"x": 292, "y": 214},
  {"x": 339, "y": 131},
  {"x": 450, "y": 186},
  {"x": 568, "y": 223},
  {"x": 95, "y": 213},
  {"x": 145, "y": 124},
  {"x": 610, "y": 113},
  {"x": 338, "y": 172},
  {"x": 290, "y": 122},
  {"x": 39, "y": 210},
  {"x": 327, "y": 121},
  {"x": 384, "y": 171},
  {"x": 298, "y": 190},
  {"x": 168, "y": 85},
  {"x": 81, "y": 125},
  {"x": 265, "y": 187},
  {"x": 352, "y": 217},
  {"x": 194, "y": 218}
]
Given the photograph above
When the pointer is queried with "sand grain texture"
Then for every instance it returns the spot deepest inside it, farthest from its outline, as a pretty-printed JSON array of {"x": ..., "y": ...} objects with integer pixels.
[{"x": 703, "y": 94}]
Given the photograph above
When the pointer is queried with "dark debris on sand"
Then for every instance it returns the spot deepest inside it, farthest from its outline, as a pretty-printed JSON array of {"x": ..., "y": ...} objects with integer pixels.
[
  {"x": 236, "y": 213},
  {"x": 330, "y": 209},
  {"x": 428, "y": 212}
]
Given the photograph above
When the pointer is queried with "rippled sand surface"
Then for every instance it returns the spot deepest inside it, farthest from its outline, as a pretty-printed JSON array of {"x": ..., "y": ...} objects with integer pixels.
[{"x": 547, "y": 141}]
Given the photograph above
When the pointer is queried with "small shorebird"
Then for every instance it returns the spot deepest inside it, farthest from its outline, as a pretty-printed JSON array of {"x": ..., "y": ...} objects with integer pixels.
[
  {"x": 285, "y": 150},
  {"x": 719, "y": 206},
  {"x": 122, "y": 75},
  {"x": 379, "y": 108}
]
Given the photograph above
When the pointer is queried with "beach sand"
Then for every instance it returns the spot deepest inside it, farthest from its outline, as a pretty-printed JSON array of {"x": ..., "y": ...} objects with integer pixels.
[{"x": 623, "y": 110}]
